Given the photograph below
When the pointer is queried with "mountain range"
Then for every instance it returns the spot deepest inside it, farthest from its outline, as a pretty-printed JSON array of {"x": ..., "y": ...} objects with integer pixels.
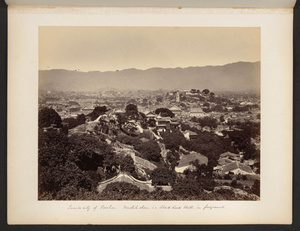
[{"x": 240, "y": 76}]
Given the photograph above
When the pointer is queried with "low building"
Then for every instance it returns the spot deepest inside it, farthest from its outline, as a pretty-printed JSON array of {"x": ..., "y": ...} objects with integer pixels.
[
  {"x": 119, "y": 111},
  {"x": 176, "y": 110},
  {"x": 190, "y": 135},
  {"x": 150, "y": 115},
  {"x": 224, "y": 161},
  {"x": 163, "y": 124},
  {"x": 174, "y": 123},
  {"x": 186, "y": 162},
  {"x": 230, "y": 155},
  {"x": 206, "y": 129},
  {"x": 197, "y": 112},
  {"x": 237, "y": 168}
]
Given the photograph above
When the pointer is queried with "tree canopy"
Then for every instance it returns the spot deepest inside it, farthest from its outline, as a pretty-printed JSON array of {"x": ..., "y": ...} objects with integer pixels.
[
  {"x": 60, "y": 171},
  {"x": 173, "y": 140},
  {"x": 149, "y": 150},
  {"x": 206, "y": 121},
  {"x": 163, "y": 176},
  {"x": 131, "y": 110},
  {"x": 165, "y": 112},
  {"x": 127, "y": 164},
  {"x": 47, "y": 117},
  {"x": 99, "y": 110},
  {"x": 205, "y": 91}
]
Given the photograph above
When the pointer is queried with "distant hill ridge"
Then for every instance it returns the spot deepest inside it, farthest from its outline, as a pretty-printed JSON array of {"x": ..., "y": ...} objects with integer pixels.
[{"x": 240, "y": 76}]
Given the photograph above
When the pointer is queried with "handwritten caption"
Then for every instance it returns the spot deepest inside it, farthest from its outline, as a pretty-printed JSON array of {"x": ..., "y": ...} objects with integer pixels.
[{"x": 89, "y": 208}]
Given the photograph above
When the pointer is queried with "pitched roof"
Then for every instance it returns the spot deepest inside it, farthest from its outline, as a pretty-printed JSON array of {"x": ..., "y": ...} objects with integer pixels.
[
  {"x": 150, "y": 114},
  {"x": 175, "y": 108},
  {"x": 236, "y": 165},
  {"x": 224, "y": 161},
  {"x": 163, "y": 119},
  {"x": 187, "y": 159},
  {"x": 193, "y": 133},
  {"x": 190, "y": 132},
  {"x": 229, "y": 154},
  {"x": 196, "y": 110},
  {"x": 119, "y": 111}
]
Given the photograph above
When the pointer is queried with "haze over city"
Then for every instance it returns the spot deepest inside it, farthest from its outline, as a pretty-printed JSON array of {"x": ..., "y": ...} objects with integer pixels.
[{"x": 118, "y": 48}]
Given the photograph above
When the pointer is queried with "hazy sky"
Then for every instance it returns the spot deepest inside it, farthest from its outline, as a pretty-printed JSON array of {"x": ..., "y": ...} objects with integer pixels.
[{"x": 117, "y": 48}]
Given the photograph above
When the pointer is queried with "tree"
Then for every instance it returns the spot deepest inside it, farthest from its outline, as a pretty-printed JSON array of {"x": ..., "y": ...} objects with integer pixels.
[
  {"x": 208, "y": 121},
  {"x": 149, "y": 150},
  {"x": 222, "y": 118},
  {"x": 187, "y": 188},
  {"x": 205, "y": 91},
  {"x": 131, "y": 111},
  {"x": 163, "y": 176},
  {"x": 173, "y": 158},
  {"x": 57, "y": 171},
  {"x": 127, "y": 164},
  {"x": 173, "y": 140},
  {"x": 218, "y": 108},
  {"x": 110, "y": 162},
  {"x": 164, "y": 112},
  {"x": 87, "y": 151},
  {"x": 159, "y": 99},
  {"x": 207, "y": 110},
  {"x": 53, "y": 148},
  {"x": 97, "y": 112},
  {"x": 256, "y": 187},
  {"x": 120, "y": 191},
  {"x": 151, "y": 122},
  {"x": 81, "y": 119},
  {"x": 72, "y": 122},
  {"x": 206, "y": 104},
  {"x": 240, "y": 109},
  {"x": 209, "y": 145},
  {"x": 121, "y": 118},
  {"x": 47, "y": 117}
]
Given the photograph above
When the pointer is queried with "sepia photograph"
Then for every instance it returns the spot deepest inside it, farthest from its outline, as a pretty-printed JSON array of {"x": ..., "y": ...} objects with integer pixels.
[{"x": 149, "y": 113}]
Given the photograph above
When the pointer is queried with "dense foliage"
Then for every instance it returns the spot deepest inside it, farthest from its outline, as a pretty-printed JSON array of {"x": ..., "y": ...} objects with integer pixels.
[
  {"x": 70, "y": 167},
  {"x": 163, "y": 176},
  {"x": 206, "y": 121},
  {"x": 47, "y": 117},
  {"x": 173, "y": 140},
  {"x": 149, "y": 150},
  {"x": 72, "y": 122},
  {"x": 97, "y": 112},
  {"x": 68, "y": 164},
  {"x": 165, "y": 112}
]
